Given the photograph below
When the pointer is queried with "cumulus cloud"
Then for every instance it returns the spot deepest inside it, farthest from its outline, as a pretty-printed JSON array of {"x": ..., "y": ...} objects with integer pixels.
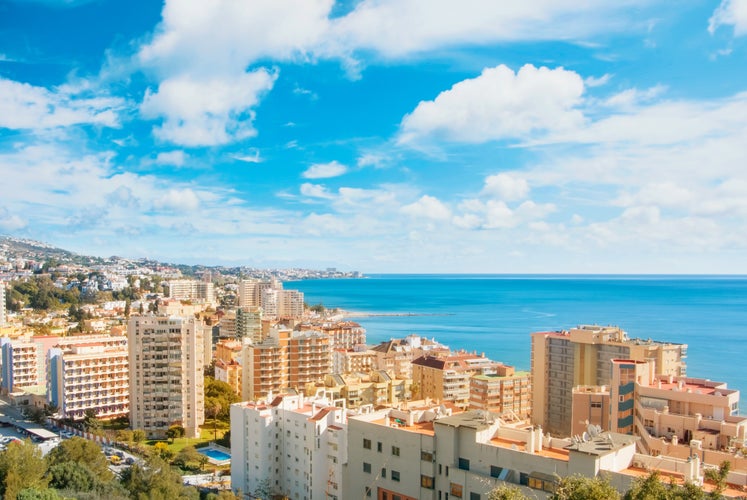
[
  {"x": 499, "y": 104},
  {"x": 325, "y": 170},
  {"x": 315, "y": 191},
  {"x": 428, "y": 207},
  {"x": 24, "y": 106},
  {"x": 730, "y": 13},
  {"x": 506, "y": 186},
  {"x": 207, "y": 111},
  {"x": 496, "y": 214}
]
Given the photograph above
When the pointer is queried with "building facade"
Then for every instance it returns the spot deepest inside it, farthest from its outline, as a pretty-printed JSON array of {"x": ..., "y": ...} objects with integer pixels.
[
  {"x": 166, "y": 358},
  {"x": 563, "y": 360},
  {"x": 22, "y": 364},
  {"x": 507, "y": 393},
  {"x": 89, "y": 373}
]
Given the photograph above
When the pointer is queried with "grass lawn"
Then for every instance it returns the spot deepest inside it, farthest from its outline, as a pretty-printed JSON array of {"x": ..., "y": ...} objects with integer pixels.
[{"x": 206, "y": 435}]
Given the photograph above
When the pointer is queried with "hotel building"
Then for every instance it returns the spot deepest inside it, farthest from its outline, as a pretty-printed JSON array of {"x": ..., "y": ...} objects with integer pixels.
[
  {"x": 563, "y": 360},
  {"x": 89, "y": 373},
  {"x": 166, "y": 356}
]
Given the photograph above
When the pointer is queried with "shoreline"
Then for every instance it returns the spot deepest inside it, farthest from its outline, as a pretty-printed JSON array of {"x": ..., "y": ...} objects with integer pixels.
[{"x": 352, "y": 314}]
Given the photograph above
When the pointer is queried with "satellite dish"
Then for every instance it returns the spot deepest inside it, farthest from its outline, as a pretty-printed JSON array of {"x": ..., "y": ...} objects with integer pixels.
[
  {"x": 585, "y": 437},
  {"x": 591, "y": 429}
]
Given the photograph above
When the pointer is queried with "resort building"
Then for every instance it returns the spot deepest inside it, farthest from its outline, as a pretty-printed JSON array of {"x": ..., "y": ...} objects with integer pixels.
[
  {"x": 166, "y": 356},
  {"x": 89, "y": 373},
  {"x": 507, "y": 393},
  {"x": 289, "y": 447},
  {"x": 563, "y": 360}
]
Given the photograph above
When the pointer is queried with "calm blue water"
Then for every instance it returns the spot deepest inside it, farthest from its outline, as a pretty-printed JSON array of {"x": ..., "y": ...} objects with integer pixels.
[
  {"x": 495, "y": 314},
  {"x": 215, "y": 454}
]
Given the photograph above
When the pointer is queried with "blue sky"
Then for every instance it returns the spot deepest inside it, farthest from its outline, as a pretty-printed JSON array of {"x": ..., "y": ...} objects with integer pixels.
[{"x": 542, "y": 136}]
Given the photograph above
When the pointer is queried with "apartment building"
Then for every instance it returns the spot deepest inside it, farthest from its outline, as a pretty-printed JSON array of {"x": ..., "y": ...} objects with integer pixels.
[
  {"x": 377, "y": 387},
  {"x": 250, "y": 291},
  {"x": 353, "y": 360},
  {"x": 249, "y": 323},
  {"x": 289, "y": 447},
  {"x": 264, "y": 365},
  {"x": 396, "y": 355},
  {"x": 507, "y": 393},
  {"x": 22, "y": 364},
  {"x": 434, "y": 452},
  {"x": 309, "y": 358},
  {"x": 166, "y": 357},
  {"x": 563, "y": 360},
  {"x": 193, "y": 290},
  {"x": 89, "y": 373},
  {"x": 447, "y": 378},
  {"x": 672, "y": 415},
  {"x": 3, "y": 311},
  {"x": 282, "y": 304},
  {"x": 230, "y": 373}
]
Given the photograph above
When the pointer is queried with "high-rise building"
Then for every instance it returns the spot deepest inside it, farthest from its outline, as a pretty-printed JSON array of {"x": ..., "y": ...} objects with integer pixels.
[
  {"x": 563, "y": 360},
  {"x": 89, "y": 373},
  {"x": 192, "y": 290},
  {"x": 250, "y": 291},
  {"x": 3, "y": 311},
  {"x": 249, "y": 323},
  {"x": 166, "y": 356},
  {"x": 23, "y": 364}
]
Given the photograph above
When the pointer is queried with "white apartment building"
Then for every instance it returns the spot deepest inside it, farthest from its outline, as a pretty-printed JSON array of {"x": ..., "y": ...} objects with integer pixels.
[
  {"x": 192, "y": 290},
  {"x": 3, "y": 312},
  {"x": 22, "y": 364},
  {"x": 290, "y": 446},
  {"x": 89, "y": 373},
  {"x": 250, "y": 291},
  {"x": 166, "y": 356}
]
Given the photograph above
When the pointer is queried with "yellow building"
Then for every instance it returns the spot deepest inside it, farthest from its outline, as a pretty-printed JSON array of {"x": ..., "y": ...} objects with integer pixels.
[{"x": 507, "y": 393}]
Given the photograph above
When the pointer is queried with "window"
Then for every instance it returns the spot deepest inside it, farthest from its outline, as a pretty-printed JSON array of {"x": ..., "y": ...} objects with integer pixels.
[
  {"x": 395, "y": 451},
  {"x": 456, "y": 490},
  {"x": 395, "y": 475},
  {"x": 383, "y": 473},
  {"x": 379, "y": 446},
  {"x": 366, "y": 467},
  {"x": 495, "y": 471},
  {"x": 366, "y": 443},
  {"x": 463, "y": 463},
  {"x": 474, "y": 496},
  {"x": 426, "y": 456},
  {"x": 596, "y": 404},
  {"x": 426, "y": 482},
  {"x": 368, "y": 491}
]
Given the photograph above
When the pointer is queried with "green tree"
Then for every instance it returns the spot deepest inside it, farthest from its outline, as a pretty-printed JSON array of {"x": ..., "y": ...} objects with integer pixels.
[
  {"x": 174, "y": 432},
  {"x": 38, "y": 494},
  {"x": 138, "y": 435},
  {"x": 21, "y": 466},
  {"x": 84, "y": 452},
  {"x": 163, "y": 451},
  {"x": 156, "y": 481},
  {"x": 73, "y": 476},
  {"x": 718, "y": 478},
  {"x": 188, "y": 455},
  {"x": 507, "y": 492},
  {"x": 584, "y": 488}
]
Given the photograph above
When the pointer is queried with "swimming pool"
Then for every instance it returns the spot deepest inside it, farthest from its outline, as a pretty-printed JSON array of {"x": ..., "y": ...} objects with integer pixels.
[{"x": 216, "y": 456}]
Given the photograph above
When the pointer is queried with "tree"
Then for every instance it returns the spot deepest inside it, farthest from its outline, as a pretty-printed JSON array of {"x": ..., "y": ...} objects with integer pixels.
[
  {"x": 584, "y": 488},
  {"x": 156, "y": 481},
  {"x": 163, "y": 451},
  {"x": 72, "y": 475},
  {"x": 84, "y": 452},
  {"x": 507, "y": 492},
  {"x": 187, "y": 455},
  {"x": 138, "y": 435},
  {"x": 175, "y": 431},
  {"x": 91, "y": 421},
  {"x": 38, "y": 494},
  {"x": 21, "y": 466},
  {"x": 718, "y": 477}
]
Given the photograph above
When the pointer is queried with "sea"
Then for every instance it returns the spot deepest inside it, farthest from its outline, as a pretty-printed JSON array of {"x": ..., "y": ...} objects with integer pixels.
[{"x": 495, "y": 314}]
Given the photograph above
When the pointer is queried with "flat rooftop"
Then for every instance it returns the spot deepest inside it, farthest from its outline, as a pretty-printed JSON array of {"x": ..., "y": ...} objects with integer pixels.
[{"x": 514, "y": 444}]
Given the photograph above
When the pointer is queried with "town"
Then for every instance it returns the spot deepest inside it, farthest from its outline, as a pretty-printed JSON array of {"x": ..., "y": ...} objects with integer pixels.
[{"x": 124, "y": 353}]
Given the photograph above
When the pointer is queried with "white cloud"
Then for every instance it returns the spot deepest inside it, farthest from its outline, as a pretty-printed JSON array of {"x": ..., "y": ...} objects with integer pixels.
[
  {"x": 397, "y": 28},
  {"x": 325, "y": 170},
  {"x": 427, "y": 207},
  {"x": 11, "y": 222},
  {"x": 730, "y": 13},
  {"x": 24, "y": 106},
  {"x": 207, "y": 112},
  {"x": 507, "y": 187},
  {"x": 371, "y": 160},
  {"x": 591, "y": 81},
  {"x": 175, "y": 158},
  {"x": 629, "y": 98},
  {"x": 315, "y": 191},
  {"x": 252, "y": 156},
  {"x": 499, "y": 104}
]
